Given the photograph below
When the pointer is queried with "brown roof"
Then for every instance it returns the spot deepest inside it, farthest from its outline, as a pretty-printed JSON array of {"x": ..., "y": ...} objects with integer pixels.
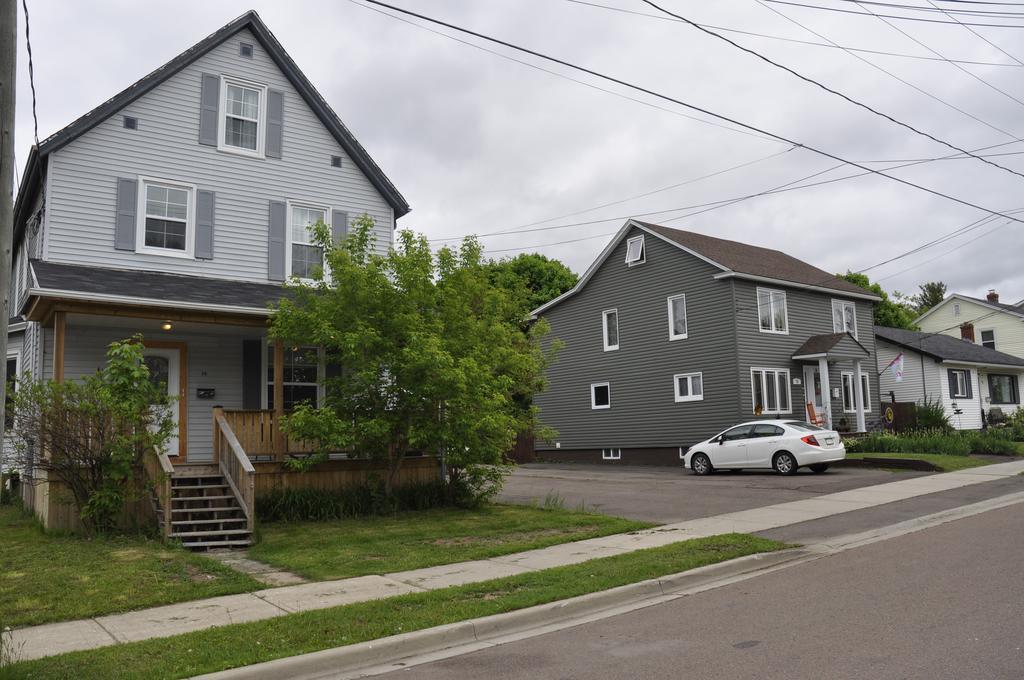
[
  {"x": 754, "y": 260},
  {"x": 823, "y": 344}
]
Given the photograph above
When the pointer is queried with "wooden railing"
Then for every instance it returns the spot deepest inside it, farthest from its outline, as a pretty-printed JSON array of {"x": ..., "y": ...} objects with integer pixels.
[
  {"x": 159, "y": 471},
  {"x": 234, "y": 464},
  {"x": 259, "y": 434}
]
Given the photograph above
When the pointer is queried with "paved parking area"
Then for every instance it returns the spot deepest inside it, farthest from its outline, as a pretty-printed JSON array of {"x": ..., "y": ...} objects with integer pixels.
[{"x": 668, "y": 494}]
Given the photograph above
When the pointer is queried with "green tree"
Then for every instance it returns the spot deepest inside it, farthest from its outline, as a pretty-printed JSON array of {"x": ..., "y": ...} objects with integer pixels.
[
  {"x": 431, "y": 355},
  {"x": 931, "y": 294},
  {"x": 531, "y": 279},
  {"x": 889, "y": 312}
]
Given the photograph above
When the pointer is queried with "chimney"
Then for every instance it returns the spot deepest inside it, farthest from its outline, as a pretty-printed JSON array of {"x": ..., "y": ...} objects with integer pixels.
[
  {"x": 967, "y": 331},
  {"x": 992, "y": 296}
]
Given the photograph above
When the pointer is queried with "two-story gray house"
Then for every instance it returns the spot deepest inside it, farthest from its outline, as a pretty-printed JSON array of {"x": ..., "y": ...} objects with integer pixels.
[
  {"x": 671, "y": 336},
  {"x": 176, "y": 209}
]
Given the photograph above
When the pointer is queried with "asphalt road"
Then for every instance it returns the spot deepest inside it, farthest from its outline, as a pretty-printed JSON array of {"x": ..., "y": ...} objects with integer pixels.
[
  {"x": 943, "y": 603},
  {"x": 667, "y": 494}
]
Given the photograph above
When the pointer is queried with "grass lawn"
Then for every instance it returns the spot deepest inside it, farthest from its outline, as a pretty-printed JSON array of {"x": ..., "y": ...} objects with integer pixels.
[
  {"x": 45, "y": 578},
  {"x": 378, "y": 545},
  {"x": 947, "y": 463},
  {"x": 245, "y": 644}
]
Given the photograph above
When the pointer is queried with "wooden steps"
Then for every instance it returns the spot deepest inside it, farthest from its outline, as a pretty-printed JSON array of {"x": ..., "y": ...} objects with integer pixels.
[{"x": 204, "y": 511}]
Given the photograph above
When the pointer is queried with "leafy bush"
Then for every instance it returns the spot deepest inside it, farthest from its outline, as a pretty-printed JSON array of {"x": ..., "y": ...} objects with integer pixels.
[
  {"x": 995, "y": 442},
  {"x": 992, "y": 442},
  {"x": 931, "y": 415},
  {"x": 293, "y": 505}
]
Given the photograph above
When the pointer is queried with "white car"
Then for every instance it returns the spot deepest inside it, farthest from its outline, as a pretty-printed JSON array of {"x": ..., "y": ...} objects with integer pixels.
[{"x": 782, "y": 445}]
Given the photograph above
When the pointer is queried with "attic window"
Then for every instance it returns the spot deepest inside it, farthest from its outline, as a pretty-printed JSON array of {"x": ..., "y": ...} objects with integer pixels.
[
  {"x": 635, "y": 251},
  {"x": 131, "y": 123},
  {"x": 245, "y": 50},
  {"x": 335, "y": 161}
]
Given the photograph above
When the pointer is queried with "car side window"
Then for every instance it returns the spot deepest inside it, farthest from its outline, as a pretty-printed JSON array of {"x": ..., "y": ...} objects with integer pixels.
[
  {"x": 736, "y": 433},
  {"x": 767, "y": 430}
]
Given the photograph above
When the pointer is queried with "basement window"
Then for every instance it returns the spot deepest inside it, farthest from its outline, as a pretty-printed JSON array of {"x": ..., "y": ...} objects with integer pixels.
[{"x": 611, "y": 454}]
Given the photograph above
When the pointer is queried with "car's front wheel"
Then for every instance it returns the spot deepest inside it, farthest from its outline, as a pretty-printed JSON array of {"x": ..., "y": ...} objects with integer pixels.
[
  {"x": 785, "y": 463},
  {"x": 701, "y": 464},
  {"x": 818, "y": 468}
]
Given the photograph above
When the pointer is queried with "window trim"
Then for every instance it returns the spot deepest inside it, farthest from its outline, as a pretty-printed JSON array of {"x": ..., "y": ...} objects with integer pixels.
[
  {"x": 643, "y": 250},
  {"x": 593, "y": 401},
  {"x": 981, "y": 337},
  {"x": 689, "y": 379},
  {"x": 966, "y": 379},
  {"x": 321, "y": 373},
  {"x": 140, "y": 218},
  {"x": 842, "y": 304},
  {"x": 261, "y": 120},
  {"x": 789, "y": 390},
  {"x": 16, "y": 356},
  {"x": 1014, "y": 388},
  {"x": 672, "y": 321},
  {"x": 866, "y": 379},
  {"x": 611, "y": 454},
  {"x": 956, "y": 309},
  {"x": 289, "y": 205},
  {"x": 604, "y": 329},
  {"x": 771, "y": 315}
]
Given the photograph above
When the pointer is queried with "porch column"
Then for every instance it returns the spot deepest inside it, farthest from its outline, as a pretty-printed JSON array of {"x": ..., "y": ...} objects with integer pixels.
[
  {"x": 826, "y": 392},
  {"x": 279, "y": 440},
  {"x": 859, "y": 396},
  {"x": 59, "y": 330}
]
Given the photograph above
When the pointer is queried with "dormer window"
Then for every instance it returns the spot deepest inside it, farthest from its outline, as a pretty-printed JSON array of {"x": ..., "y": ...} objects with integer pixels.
[
  {"x": 243, "y": 111},
  {"x": 635, "y": 251}
]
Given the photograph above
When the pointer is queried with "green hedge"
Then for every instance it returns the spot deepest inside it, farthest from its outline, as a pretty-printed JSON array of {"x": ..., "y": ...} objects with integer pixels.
[
  {"x": 293, "y": 505},
  {"x": 997, "y": 442}
]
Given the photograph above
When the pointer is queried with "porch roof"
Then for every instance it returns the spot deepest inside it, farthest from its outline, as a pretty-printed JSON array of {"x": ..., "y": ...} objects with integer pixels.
[
  {"x": 832, "y": 346},
  {"x": 147, "y": 288}
]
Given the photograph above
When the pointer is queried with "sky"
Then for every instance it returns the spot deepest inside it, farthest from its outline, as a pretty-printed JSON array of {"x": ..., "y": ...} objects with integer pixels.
[{"x": 479, "y": 142}]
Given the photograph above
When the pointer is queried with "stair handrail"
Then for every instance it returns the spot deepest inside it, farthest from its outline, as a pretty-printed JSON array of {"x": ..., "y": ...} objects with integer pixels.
[
  {"x": 237, "y": 469},
  {"x": 162, "y": 485}
]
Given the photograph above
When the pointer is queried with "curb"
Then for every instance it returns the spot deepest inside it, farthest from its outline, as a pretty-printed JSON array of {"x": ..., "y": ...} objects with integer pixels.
[{"x": 351, "y": 658}]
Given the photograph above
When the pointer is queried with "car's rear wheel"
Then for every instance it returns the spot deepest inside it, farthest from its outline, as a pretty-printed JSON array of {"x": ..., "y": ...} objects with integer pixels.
[
  {"x": 785, "y": 463},
  {"x": 818, "y": 468},
  {"x": 701, "y": 464}
]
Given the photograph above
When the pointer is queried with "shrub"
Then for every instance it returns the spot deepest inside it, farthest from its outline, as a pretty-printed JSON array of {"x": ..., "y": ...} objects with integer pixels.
[
  {"x": 293, "y": 505},
  {"x": 931, "y": 415},
  {"x": 993, "y": 442}
]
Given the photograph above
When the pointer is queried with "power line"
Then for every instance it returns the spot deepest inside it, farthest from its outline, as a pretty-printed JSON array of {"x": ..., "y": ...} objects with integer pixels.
[
  {"x": 31, "y": 74},
  {"x": 890, "y": 16},
  {"x": 979, "y": 35},
  {"x": 828, "y": 89},
  {"x": 999, "y": 14}
]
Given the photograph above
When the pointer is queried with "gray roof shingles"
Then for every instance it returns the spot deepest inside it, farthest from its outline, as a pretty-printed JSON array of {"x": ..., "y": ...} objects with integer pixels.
[{"x": 946, "y": 347}]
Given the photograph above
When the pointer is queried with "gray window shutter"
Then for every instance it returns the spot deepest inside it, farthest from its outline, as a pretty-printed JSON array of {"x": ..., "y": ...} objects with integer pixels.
[
  {"x": 275, "y": 123},
  {"x": 127, "y": 204},
  {"x": 339, "y": 225},
  {"x": 209, "y": 103},
  {"x": 206, "y": 202},
  {"x": 252, "y": 374},
  {"x": 970, "y": 387},
  {"x": 951, "y": 375},
  {"x": 276, "y": 251}
]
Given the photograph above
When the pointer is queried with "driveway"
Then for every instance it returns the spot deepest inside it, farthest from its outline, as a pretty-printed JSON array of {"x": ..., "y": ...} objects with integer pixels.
[{"x": 668, "y": 494}]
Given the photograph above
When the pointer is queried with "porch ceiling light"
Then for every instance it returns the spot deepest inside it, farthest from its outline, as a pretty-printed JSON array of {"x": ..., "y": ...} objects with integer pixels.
[{"x": 166, "y": 325}]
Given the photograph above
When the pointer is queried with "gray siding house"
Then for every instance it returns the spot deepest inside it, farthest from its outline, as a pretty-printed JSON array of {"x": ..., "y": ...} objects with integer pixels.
[
  {"x": 671, "y": 336},
  {"x": 177, "y": 208}
]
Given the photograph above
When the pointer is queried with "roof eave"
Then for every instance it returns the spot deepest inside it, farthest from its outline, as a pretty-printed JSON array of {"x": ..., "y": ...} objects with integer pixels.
[
  {"x": 794, "y": 284},
  {"x": 1017, "y": 367}
]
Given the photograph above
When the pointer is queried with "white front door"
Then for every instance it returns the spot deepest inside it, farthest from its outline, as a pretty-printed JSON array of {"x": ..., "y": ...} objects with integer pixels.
[
  {"x": 164, "y": 366},
  {"x": 812, "y": 390}
]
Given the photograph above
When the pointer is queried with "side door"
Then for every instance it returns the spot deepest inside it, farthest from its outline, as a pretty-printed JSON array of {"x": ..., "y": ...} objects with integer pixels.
[
  {"x": 764, "y": 441},
  {"x": 731, "y": 450}
]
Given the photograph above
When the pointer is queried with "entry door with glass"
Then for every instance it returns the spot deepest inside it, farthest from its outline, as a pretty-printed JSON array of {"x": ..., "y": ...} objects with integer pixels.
[
  {"x": 812, "y": 389},
  {"x": 164, "y": 366}
]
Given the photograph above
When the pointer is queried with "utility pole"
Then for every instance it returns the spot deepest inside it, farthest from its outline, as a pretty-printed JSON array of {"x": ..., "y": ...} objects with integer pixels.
[{"x": 8, "y": 80}]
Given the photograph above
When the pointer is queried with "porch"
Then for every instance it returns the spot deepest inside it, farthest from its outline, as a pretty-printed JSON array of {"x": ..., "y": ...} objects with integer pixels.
[{"x": 836, "y": 380}]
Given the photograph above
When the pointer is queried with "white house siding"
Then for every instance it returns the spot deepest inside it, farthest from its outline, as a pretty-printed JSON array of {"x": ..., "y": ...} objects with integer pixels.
[
  {"x": 214, "y": 360},
  {"x": 83, "y": 174},
  {"x": 970, "y": 418},
  {"x": 912, "y": 387},
  {"x": 1008, "y": 328}
]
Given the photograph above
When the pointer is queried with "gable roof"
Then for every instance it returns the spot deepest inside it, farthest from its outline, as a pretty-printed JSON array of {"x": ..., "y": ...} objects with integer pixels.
[
  {"x": 251, "y": 21},
  {"x": 1016, "y": 310},
  {"x": 840, "y": 344},
  {"x": 946, "y": 347},
  {"x": 733, "y": 258}
]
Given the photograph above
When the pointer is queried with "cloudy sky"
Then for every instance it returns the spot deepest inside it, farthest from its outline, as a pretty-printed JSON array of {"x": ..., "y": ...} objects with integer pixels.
[{"x": 480, "y": 143}]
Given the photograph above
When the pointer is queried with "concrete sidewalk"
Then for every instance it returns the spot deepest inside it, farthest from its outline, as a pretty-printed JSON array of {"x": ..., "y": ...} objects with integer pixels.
[{"x": 57, "y": 638}]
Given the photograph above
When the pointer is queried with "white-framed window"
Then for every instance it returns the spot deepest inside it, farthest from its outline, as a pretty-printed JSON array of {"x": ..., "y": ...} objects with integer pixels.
[
  {"x": 770, "y": 389},
  {"x": 677, "y": 317},
  {"x": 166, "y": 222},
  {"x": 635, "y": 253},
  {"x": 959, "y": 383},
  {"x": 304, "y": 256},
  {"x": 844, "y": 317},
  {"x": 13, "y": 373},
  {"x": 956, "y": 309},
  {"x": 689, "y": 386},
  {"x": 988, "y": 338},
  {"x": 303, "y": 374},
  {"x": 772, "y": 315},
  {"x": 600, "y": 395},
  {"x": 610, "y": 329},
  {"x": 849, "y": 398},
  {"x": 611, "y": 454},
  {"x": 243, "y": 115}
]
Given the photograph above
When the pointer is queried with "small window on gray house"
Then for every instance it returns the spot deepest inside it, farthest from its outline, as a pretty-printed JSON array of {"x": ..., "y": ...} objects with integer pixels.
[
  {"x": 635, "y": 251},
  {"x": 335, "y": 161},
  {"x": 131, "y": 122},
  {"x": 600, "y": 395},
  {"x": 245, "y": 49}
]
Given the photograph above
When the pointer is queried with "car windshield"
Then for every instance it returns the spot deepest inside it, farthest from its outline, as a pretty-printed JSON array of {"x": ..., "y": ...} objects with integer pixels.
[{"x": 806, "y": 427}]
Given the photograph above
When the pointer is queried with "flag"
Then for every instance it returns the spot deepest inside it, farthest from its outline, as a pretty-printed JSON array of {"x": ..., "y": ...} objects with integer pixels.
[{"x": 897, "y": 366}]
